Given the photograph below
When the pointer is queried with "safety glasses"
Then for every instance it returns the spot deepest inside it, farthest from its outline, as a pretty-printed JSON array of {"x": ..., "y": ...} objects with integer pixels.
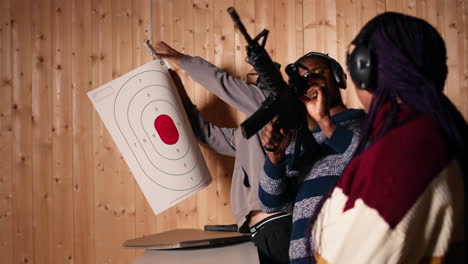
[{"x": 320, "y": 70}]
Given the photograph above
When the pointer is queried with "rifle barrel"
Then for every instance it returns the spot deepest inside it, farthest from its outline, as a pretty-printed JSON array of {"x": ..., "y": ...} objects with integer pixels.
[{"x": 235, "y": 17}]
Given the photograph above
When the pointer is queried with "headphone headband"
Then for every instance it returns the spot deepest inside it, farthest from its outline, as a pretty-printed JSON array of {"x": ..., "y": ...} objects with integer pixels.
[{"x": 337, "y": 71}]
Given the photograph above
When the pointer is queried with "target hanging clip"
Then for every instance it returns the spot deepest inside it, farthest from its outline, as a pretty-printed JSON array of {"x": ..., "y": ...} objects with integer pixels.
[{"x": 155, "y": 55}]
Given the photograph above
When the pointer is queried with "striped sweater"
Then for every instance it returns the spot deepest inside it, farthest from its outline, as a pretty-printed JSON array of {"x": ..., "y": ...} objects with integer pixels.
[
  {"x": 400, "y": 201},
  {"x": 282, "y": 188}
]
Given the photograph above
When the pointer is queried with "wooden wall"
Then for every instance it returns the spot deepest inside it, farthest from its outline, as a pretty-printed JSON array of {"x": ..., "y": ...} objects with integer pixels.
[{"x": 66, "y": 195}]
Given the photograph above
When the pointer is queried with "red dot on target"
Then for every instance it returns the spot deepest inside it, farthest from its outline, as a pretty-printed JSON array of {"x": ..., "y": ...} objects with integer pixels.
[{"x": 166, "y": 129}]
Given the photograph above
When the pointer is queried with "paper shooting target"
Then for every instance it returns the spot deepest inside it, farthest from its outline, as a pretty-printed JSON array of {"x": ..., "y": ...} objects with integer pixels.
[{"x": 146, "y": 119}]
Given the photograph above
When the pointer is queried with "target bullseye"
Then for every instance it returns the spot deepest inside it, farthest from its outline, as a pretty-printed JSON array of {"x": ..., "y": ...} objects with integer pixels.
[{"x": 166, "y": 129}]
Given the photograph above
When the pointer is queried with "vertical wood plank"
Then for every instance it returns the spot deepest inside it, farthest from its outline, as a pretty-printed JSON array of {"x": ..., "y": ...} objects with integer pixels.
[
  {"x": 329, "y": 30},
  {"x": 395, "y": 5},
  {"x": 264, "y": 15},
  {"x": 23, "y": 242},
  {"x": 299, "y": 30},
  {"x": 320, "y": 26},
  {"x": 117, "y": 225},
  {"x": 145, "y": 221},
  {"x": 311, "y": 26},
  {"x": 285, "y": 13},
  {"x": 427, "y": 9},
  {"x": 367, "y": 10},
  {"x": 246, "y": 10},
  {"x": 411, "y": 7},
  {"x": 464, "y": 75},
  {"x": 111, "y": 212},
  {"x": 42, "y": 131},
  {"x": 318, "y": 13},
  {"x": 381, "y": 7},
  {"x": 6, "y": 147},
  {"x": 223, "y": 36},
  {"x": 439, "y": 6},
  {"x": 163, "y": 30},
  {"x": 62, "y": 138},
  {"x": 224, "y": 54},
  {"x": 83, "y": 155},
  {"x": 203, "y": 47},
  {"x": 183, "y": 41},
  {"x": 452, "y": 85},
  {"x": 106, "y": 168},
  {"x": 348, "y": 25},
  {"x": 182, "y": 31}
]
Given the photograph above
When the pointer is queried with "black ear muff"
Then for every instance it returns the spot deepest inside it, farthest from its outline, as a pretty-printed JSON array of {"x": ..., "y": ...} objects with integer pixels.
[
  {"x": 361, "y": 61},
  {"x": 338, "y": 74},
  {"x": 290, "y": 69},
  {"x": 360, "y": 65}
]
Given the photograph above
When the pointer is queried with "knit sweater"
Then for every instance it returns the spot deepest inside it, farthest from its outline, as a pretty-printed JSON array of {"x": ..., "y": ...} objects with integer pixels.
[
  {"x": 399, "y": 201},
  {"x": 282, "y": 188}
]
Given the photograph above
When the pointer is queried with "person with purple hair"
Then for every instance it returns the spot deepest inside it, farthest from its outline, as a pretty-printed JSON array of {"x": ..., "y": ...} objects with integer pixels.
[{"x": 402, "y": 197}]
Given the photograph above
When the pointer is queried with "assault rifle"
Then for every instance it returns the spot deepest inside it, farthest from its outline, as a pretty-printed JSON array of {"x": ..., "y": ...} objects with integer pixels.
[{"x": 281, "y": 102}]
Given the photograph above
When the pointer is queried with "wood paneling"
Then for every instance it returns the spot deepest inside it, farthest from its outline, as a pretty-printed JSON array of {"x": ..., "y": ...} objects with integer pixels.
[
  {"x": 145, "y": 221},
  {"x": 42, "y": 130},
  {"x": 6, "y": 139},
  {"x": 246, "y": 9},
  {"x": 186, "y": 212},
  {"x": 62, "y": 137},
  {"x": 83, "y": 154},
  {"x": 224, "y": 52},
  {"x": 203, "y": 46},
  {"x": 23, "y": 239},
  {"x": 114, "y": 214},
  {"x": 163, "y": 31},
  {"x": 66, "y": 194},
  {"x": 453, "y": 33},
  {"x": 286, "y": 31}
]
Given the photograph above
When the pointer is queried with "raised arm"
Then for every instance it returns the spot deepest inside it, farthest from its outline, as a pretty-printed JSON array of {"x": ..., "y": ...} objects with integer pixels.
[
  {"x": 220, "y": 140},
  {"x": 242, "y": 96}
]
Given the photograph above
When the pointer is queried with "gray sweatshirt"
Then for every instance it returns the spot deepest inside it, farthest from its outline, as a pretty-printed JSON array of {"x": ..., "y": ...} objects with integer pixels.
[{"x": 249, "y": 154}]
